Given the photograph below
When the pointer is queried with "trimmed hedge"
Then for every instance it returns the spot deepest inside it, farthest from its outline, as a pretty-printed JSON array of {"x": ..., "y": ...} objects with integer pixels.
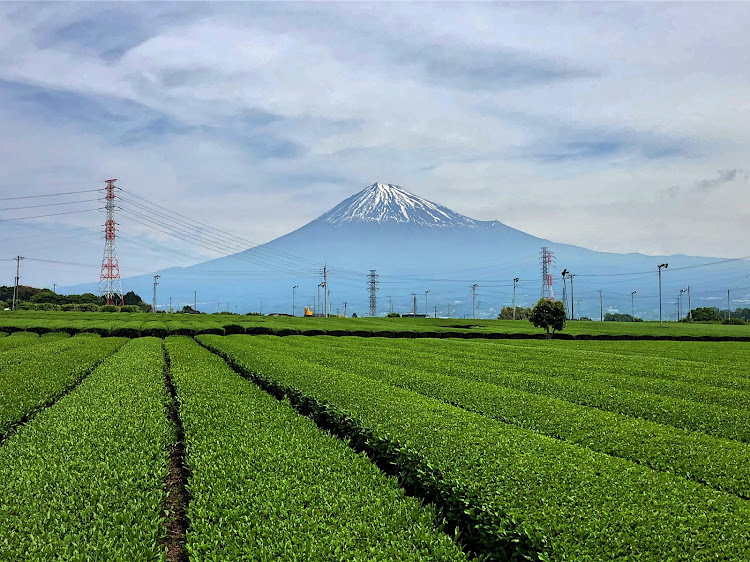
[
  {"x": 85, "y": 479},
  {"x": 518, "y": 493},
  {"x": 266, "y": 484}
]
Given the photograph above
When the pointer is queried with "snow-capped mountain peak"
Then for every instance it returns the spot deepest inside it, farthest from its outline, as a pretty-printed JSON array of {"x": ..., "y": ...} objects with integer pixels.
[{"x": 387, "y": 203}]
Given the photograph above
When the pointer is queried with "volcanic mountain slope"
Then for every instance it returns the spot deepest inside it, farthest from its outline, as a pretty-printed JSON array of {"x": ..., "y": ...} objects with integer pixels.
[{"x": 416, "y": 245}]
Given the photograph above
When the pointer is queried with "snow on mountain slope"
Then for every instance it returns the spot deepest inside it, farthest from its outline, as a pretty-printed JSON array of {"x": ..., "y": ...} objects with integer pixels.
[{"x": 382, "y": 203}]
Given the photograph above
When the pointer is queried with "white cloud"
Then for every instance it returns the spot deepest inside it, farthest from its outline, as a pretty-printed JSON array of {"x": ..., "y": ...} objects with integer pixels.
[{"x": 565, "y": 120}]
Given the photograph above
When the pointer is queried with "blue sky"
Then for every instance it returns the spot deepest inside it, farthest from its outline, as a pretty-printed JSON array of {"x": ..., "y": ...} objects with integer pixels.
[{"x": 619, "y": 127}]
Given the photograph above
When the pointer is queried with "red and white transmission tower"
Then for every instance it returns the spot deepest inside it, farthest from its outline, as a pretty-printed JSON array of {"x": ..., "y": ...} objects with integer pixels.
[
  {"x": 110, "y": 285},
  {"x": 547, "y": 257}
]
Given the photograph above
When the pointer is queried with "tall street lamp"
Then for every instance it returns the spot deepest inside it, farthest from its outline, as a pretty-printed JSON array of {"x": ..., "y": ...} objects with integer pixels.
[
  {"x": 679, "y": 316},
  {"x": 425, "y": 304},
  {"x": 632, "y": 306},
  {"x": 665, "y": 266}
]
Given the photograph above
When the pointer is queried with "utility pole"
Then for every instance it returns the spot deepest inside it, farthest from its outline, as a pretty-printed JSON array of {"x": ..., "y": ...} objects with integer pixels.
[
  {"x": 390, "y": 304},
  {"x": 195, "y": 301},
  {"x": 324, "y": 284},
  {"x": 572, "y": 311},
  {"x": 16, "y": 296},
  {"x": 372, "y": 288},
  {"x": 601, "y": 306},
  {"x": 345, "y": 303},
  {"x": 565, "y": 292},
  {"x": 294, "y": 291},
  {"x": 679, "y": 316},
  {"x": 110, "y": 286},
  {"x": 664, "y": 265},
  {"x": 426, "y": 313},
  {"x": 729, "y": 307},
  {"x": 318, "y": 301},
  {"x": 690, "y": 306},
  {"x": 156, "y": 282},
  {"x": 515, "y": 280},
  {"x": 632, "y": 306},
  {"x": 479, "y": 303},
  {"x": 328, "y": 312},
  {"x": 436, "y": 312},
  {"x": 414, "y": 306},
  {"x": 54, "y": 288},
  {"x": 170, "y": 304},
  {"x": 473, "y": 300}
]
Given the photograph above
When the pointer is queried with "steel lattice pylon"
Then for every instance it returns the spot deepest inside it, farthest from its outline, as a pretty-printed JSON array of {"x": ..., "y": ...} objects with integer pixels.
[
  {"x": 547, "y": 258},
  {"x": 110, "y": 286}
]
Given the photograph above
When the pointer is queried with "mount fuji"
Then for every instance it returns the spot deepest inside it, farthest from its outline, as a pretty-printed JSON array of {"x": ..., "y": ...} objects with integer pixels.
[{"x": 423, "y": 249}]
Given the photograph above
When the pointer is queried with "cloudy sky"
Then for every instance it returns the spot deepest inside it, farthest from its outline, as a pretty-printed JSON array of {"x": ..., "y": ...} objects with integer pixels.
[{"x": 619, "y": 127}]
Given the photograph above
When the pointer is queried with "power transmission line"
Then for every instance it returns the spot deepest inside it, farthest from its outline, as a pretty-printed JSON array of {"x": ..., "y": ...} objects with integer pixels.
[{"x": 48, "y": 195}]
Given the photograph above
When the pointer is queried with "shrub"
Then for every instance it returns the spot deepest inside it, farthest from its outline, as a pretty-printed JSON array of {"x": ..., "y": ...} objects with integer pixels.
[{"x": 108, "y": 308}]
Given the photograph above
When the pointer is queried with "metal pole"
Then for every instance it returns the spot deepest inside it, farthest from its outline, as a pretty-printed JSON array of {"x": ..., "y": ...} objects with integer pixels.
[
  {"x": 515, "y": 280},
  {"x": 601, "y": 306},
  {"x": 294, "y": 291},
  {"x": 473, "y": 301},
  {"x": 195, "y": 301},
  {"x": 572, "y": 310},
  {"x": 16, "y": 294},
  {"x": 156, "y": 282},
  {"x": 425, "y": 302},
  {"x": 680, "y": 316},
  {"x": 729, "y": 307},
  {"x": 632, "y": 306},
  {"x": 665, "y": 265},
  {"x": 690, "y": 306},
  {"x": 414, "y": 307}
]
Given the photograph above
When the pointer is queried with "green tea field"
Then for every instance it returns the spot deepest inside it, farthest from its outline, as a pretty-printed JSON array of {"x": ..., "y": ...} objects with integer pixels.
[{"x": 212, "y": 445}]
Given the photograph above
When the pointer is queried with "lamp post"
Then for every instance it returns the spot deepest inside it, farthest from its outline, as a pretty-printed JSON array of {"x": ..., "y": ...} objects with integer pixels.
[
  {"x": 473, "y": 301},
  {"x": 679, "y": 316},
  {"x": 665, "y": 266},
  {"x": 479, "y": 314},
  {"x": 515, "y": 280},
  {"x": 425, "y": 303},
  {"x": 294, "y": 291},
  {"x": 632, "y": 306}
]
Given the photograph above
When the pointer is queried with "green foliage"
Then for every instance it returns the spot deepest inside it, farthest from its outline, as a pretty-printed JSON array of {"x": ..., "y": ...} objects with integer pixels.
[
  {"x": 393, "y": 315},
  {"x": 412, "y": 365},
  {"x": 28, "y": 386},
  {"x": 616, "y": 317},
  {"x": 130, "y": 298},
  {"x": 130, "y": 308},
  {"x": 108, "y": 308},
  {"x": 549, "y": 315},
  {"x": 515, "y": 493},
  {"x": 266, "y": 484},
  {"x": 506, "y": 313},
  {"x": 706, "y": 314},
  {"x": 85, "y": 479},
  {"x": 734, "y": 321}
]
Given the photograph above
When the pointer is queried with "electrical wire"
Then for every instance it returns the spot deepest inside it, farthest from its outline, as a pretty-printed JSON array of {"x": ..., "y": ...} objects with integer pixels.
[
  {"x": 48, "y": 195},
  {"x": 48, "y": 215},
  {"x": 49, "y": 205}
]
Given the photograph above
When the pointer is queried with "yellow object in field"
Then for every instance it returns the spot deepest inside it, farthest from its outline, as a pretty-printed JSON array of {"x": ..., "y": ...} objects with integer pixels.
[{"x": 308, "y": 312}]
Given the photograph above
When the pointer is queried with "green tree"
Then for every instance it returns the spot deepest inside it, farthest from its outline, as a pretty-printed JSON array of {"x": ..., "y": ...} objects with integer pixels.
[
  {"x": 506, "y": 313},
  {"x": 706, "y": 314},
  {"x": 131, "y": 298},
  {"x": 548, "y": 315}
]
